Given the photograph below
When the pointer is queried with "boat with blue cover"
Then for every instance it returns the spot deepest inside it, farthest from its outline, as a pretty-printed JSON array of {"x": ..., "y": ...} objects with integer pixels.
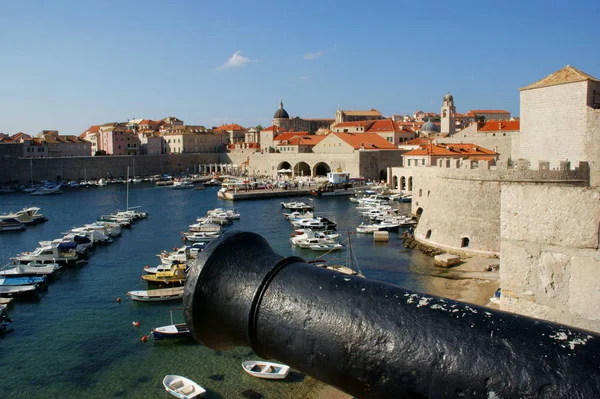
[{"x": 26, "y": 280}]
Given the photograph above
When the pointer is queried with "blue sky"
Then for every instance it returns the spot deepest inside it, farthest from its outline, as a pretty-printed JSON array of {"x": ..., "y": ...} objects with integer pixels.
[{"x": 69, "y": 64}]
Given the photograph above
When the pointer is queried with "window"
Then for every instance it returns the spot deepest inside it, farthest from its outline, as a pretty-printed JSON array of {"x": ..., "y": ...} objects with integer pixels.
[{"x": 428, "y": 235}]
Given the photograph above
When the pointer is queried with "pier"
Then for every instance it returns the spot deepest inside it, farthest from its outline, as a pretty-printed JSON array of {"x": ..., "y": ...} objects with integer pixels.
[{"x": 261, "y": 194}]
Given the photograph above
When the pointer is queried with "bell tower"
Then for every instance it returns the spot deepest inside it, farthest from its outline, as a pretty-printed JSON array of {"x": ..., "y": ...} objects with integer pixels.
[{"x": 448, "y": 115}]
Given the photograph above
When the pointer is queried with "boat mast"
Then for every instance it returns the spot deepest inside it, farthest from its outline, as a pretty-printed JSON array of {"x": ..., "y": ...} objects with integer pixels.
[
  {"x": 127, "y": 189},
  {"x": 31, "y": 169}
]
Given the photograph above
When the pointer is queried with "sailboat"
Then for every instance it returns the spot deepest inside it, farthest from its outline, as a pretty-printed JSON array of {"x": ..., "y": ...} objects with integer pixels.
[
  {"x": 348, "y": 268},
  {"x": 31, "y": 187}
]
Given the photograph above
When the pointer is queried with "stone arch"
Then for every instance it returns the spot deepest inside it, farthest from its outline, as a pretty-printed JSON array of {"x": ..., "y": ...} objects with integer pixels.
[
  {"x": 419, "y": 212},
  {"x": 403, "y": 183},
  {"x": 284, "y": 165},
  {"x": 302, "y": 169},
  {"x": 410, "y": 184},
  {"x": 321, "y": 169},
  {"x": 395, "y": 182}
]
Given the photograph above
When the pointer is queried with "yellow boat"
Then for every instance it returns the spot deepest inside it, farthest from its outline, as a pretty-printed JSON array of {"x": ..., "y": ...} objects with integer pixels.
[{"x": 174, "y": 276}]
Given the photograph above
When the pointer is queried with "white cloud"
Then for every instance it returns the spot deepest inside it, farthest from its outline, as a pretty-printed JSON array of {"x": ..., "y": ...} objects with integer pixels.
[
  {"x": 235, "y": 61},
  {"x": 313, "y": 55}
]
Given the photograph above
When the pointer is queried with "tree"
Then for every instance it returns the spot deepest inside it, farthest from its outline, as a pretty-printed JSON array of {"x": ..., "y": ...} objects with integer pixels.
[
  {"x": 100, "y": 152},
  {"x": 259, "y": 127}
]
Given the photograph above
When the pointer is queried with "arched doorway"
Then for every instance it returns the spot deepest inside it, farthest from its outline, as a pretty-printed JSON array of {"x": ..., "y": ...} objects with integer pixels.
[
  {"x": 321, "y": 169},
  {"x": 410, "y": 187},
  {"x": 464, "y": 242},
  {"x": 383, "y": 175},
  {"x": 403, "y": 183},
  {"x": 395, "y": 182},
  {"x": 419, "y": 212},
  {"x": 284, "y": 169},
  {"x": 302, "y": 169}
]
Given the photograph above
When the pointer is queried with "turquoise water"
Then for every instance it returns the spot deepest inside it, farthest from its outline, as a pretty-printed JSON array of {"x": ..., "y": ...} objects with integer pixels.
[{"x": 78, "y": 341}]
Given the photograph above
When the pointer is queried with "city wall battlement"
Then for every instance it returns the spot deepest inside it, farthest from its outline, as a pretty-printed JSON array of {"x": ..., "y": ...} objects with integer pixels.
[{"x": 521, "y": 171}]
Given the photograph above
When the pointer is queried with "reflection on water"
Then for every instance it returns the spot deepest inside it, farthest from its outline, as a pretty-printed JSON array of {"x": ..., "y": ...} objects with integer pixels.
[{"x": 78, "y": 341}]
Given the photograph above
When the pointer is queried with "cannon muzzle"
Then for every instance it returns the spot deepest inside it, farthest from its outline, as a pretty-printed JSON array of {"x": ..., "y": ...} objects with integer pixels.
[{"x": 376, "y": 340}]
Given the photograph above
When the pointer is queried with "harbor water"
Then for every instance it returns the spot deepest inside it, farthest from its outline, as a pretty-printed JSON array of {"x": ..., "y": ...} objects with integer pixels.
[{"x": 78, "y": 341}]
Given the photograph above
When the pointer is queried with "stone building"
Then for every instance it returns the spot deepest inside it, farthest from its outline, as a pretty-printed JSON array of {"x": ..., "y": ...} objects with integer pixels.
[
  {"x": 500, "y": 136},
  {"x": 560, "y": 120},
  {"x": 184, "y": 139},
  {"x": 235, "y": 132},
  {"x": 282, "y": 120},
  {"x": 483, "y": 115},
  {"x": 64, "y": 146},
  {"x": 342, "y": 116}
]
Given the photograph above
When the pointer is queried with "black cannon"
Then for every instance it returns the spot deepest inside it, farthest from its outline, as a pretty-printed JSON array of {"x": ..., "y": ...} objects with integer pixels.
[{"x": 376, "y": 340}]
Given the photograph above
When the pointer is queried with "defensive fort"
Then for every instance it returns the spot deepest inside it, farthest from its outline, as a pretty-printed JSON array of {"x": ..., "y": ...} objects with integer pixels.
[{"x": 532, "y": 199}]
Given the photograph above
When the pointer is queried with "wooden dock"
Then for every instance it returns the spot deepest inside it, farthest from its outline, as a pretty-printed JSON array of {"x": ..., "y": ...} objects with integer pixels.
[{"x": 261, "y": 194}]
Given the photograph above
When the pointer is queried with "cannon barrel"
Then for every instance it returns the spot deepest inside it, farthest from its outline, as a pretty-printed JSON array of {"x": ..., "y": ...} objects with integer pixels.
[{"x": 377, "y": 340}]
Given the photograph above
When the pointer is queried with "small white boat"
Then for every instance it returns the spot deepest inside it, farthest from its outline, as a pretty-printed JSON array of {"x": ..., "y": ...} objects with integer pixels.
[
  {"x": 200, "y": 236},
  {"x": 30, "y": 269},
  {"x": 161, "y": 294},
  {"x": 182, "y": 387},
  {"x": 182, "y": 185},
  {"x": 327, "y": 247},
  {"x": 261, "y": 369}
]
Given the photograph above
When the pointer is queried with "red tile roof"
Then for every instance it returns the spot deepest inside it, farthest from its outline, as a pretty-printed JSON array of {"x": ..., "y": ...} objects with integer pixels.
[
  {"x": 417, "y": 141},
  {"x": 231, "y": 126},
  {"x": 384, "y": 125},
  {"x": 487, "y": 111},
  {"x": 303, "y": 140},
  {"x": 451, "y": 150},
  {"x": 272, "y": 128},
  {"x": 494, "y": 126},
  {"x": 367, "y": 141},
  {"x": 289, "y": 135}
]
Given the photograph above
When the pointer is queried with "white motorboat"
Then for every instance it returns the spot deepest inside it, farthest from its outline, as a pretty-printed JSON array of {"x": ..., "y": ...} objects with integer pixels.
[
  {"x": 63, "y": 253},
  {"x": 182, "y": 387},
  {"x": 302, "y": 234},
  {"x": 29, "y": 215},
  {"x": 316, "y": 223},
  {"x": 13, "y": 290},
  {"x": 327, "y": 247},
  {"x": 10, "y": 223},
  {"x": 367, "y": 228},
  {"x": 157, "y": 295},
  {"x": 200, "y": 226},
  {"x": 48, "y": 190},
  {"x": 230, "y": 213},
  {"x": 309, "y": 242},
  {"x": 30, "y": 269},
  {"x": 268, "y": 370},
  {"x": 182, "y": 185},
  {"x": 199, "y": 236},
  {"x": 182, "y": 254},
  {"x": 296, "y": 205},
  {"x": 298, "y": 215}
]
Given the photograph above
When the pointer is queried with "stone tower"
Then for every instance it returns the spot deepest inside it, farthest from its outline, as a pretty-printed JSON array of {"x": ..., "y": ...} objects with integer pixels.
[{"x": 448, "y": 116}]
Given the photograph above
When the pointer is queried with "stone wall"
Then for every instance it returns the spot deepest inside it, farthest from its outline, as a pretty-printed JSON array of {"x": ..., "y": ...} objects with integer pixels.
[
  {"x": 77, "y": 168},
  {"x": 550, "y": 263},
  {"x": 553, "y": 123},
  {"x": 459, "y": 202}
]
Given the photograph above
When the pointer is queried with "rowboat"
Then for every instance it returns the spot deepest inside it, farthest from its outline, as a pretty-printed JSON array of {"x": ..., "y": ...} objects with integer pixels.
[
  {"x": 161, "y": 294},
  {"x": 182, "y": 387},
  {"x": 171, "y": 331},
  {"x": 261, "y": 369}
]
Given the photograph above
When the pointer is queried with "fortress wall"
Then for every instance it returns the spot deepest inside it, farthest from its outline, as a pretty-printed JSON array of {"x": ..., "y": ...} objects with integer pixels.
[
  {"x": 461, "y": 200},
  {"x": 454, "y": 209},
  {"x": 78, "y": 168},
  {"x": 550, "y": 263},
  {"x": 592, "y": 142}
]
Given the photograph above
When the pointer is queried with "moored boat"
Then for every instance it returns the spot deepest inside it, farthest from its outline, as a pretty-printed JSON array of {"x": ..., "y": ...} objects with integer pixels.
[
  {"x": 158, "y": 295},
  {"x": 268, "y": 370},
  {"x": 30, "y": 269},
  {"x": 10, "y": 223},
  {"x": 175, "y": 276},
  {"x": 182, "y": 387}
]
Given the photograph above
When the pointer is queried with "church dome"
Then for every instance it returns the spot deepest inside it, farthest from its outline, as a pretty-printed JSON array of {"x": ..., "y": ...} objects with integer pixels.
[
  {"x": 429, "y": 126},
  {"x": 448, "y": 97},
  {"x": 281, "y": 113}
]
